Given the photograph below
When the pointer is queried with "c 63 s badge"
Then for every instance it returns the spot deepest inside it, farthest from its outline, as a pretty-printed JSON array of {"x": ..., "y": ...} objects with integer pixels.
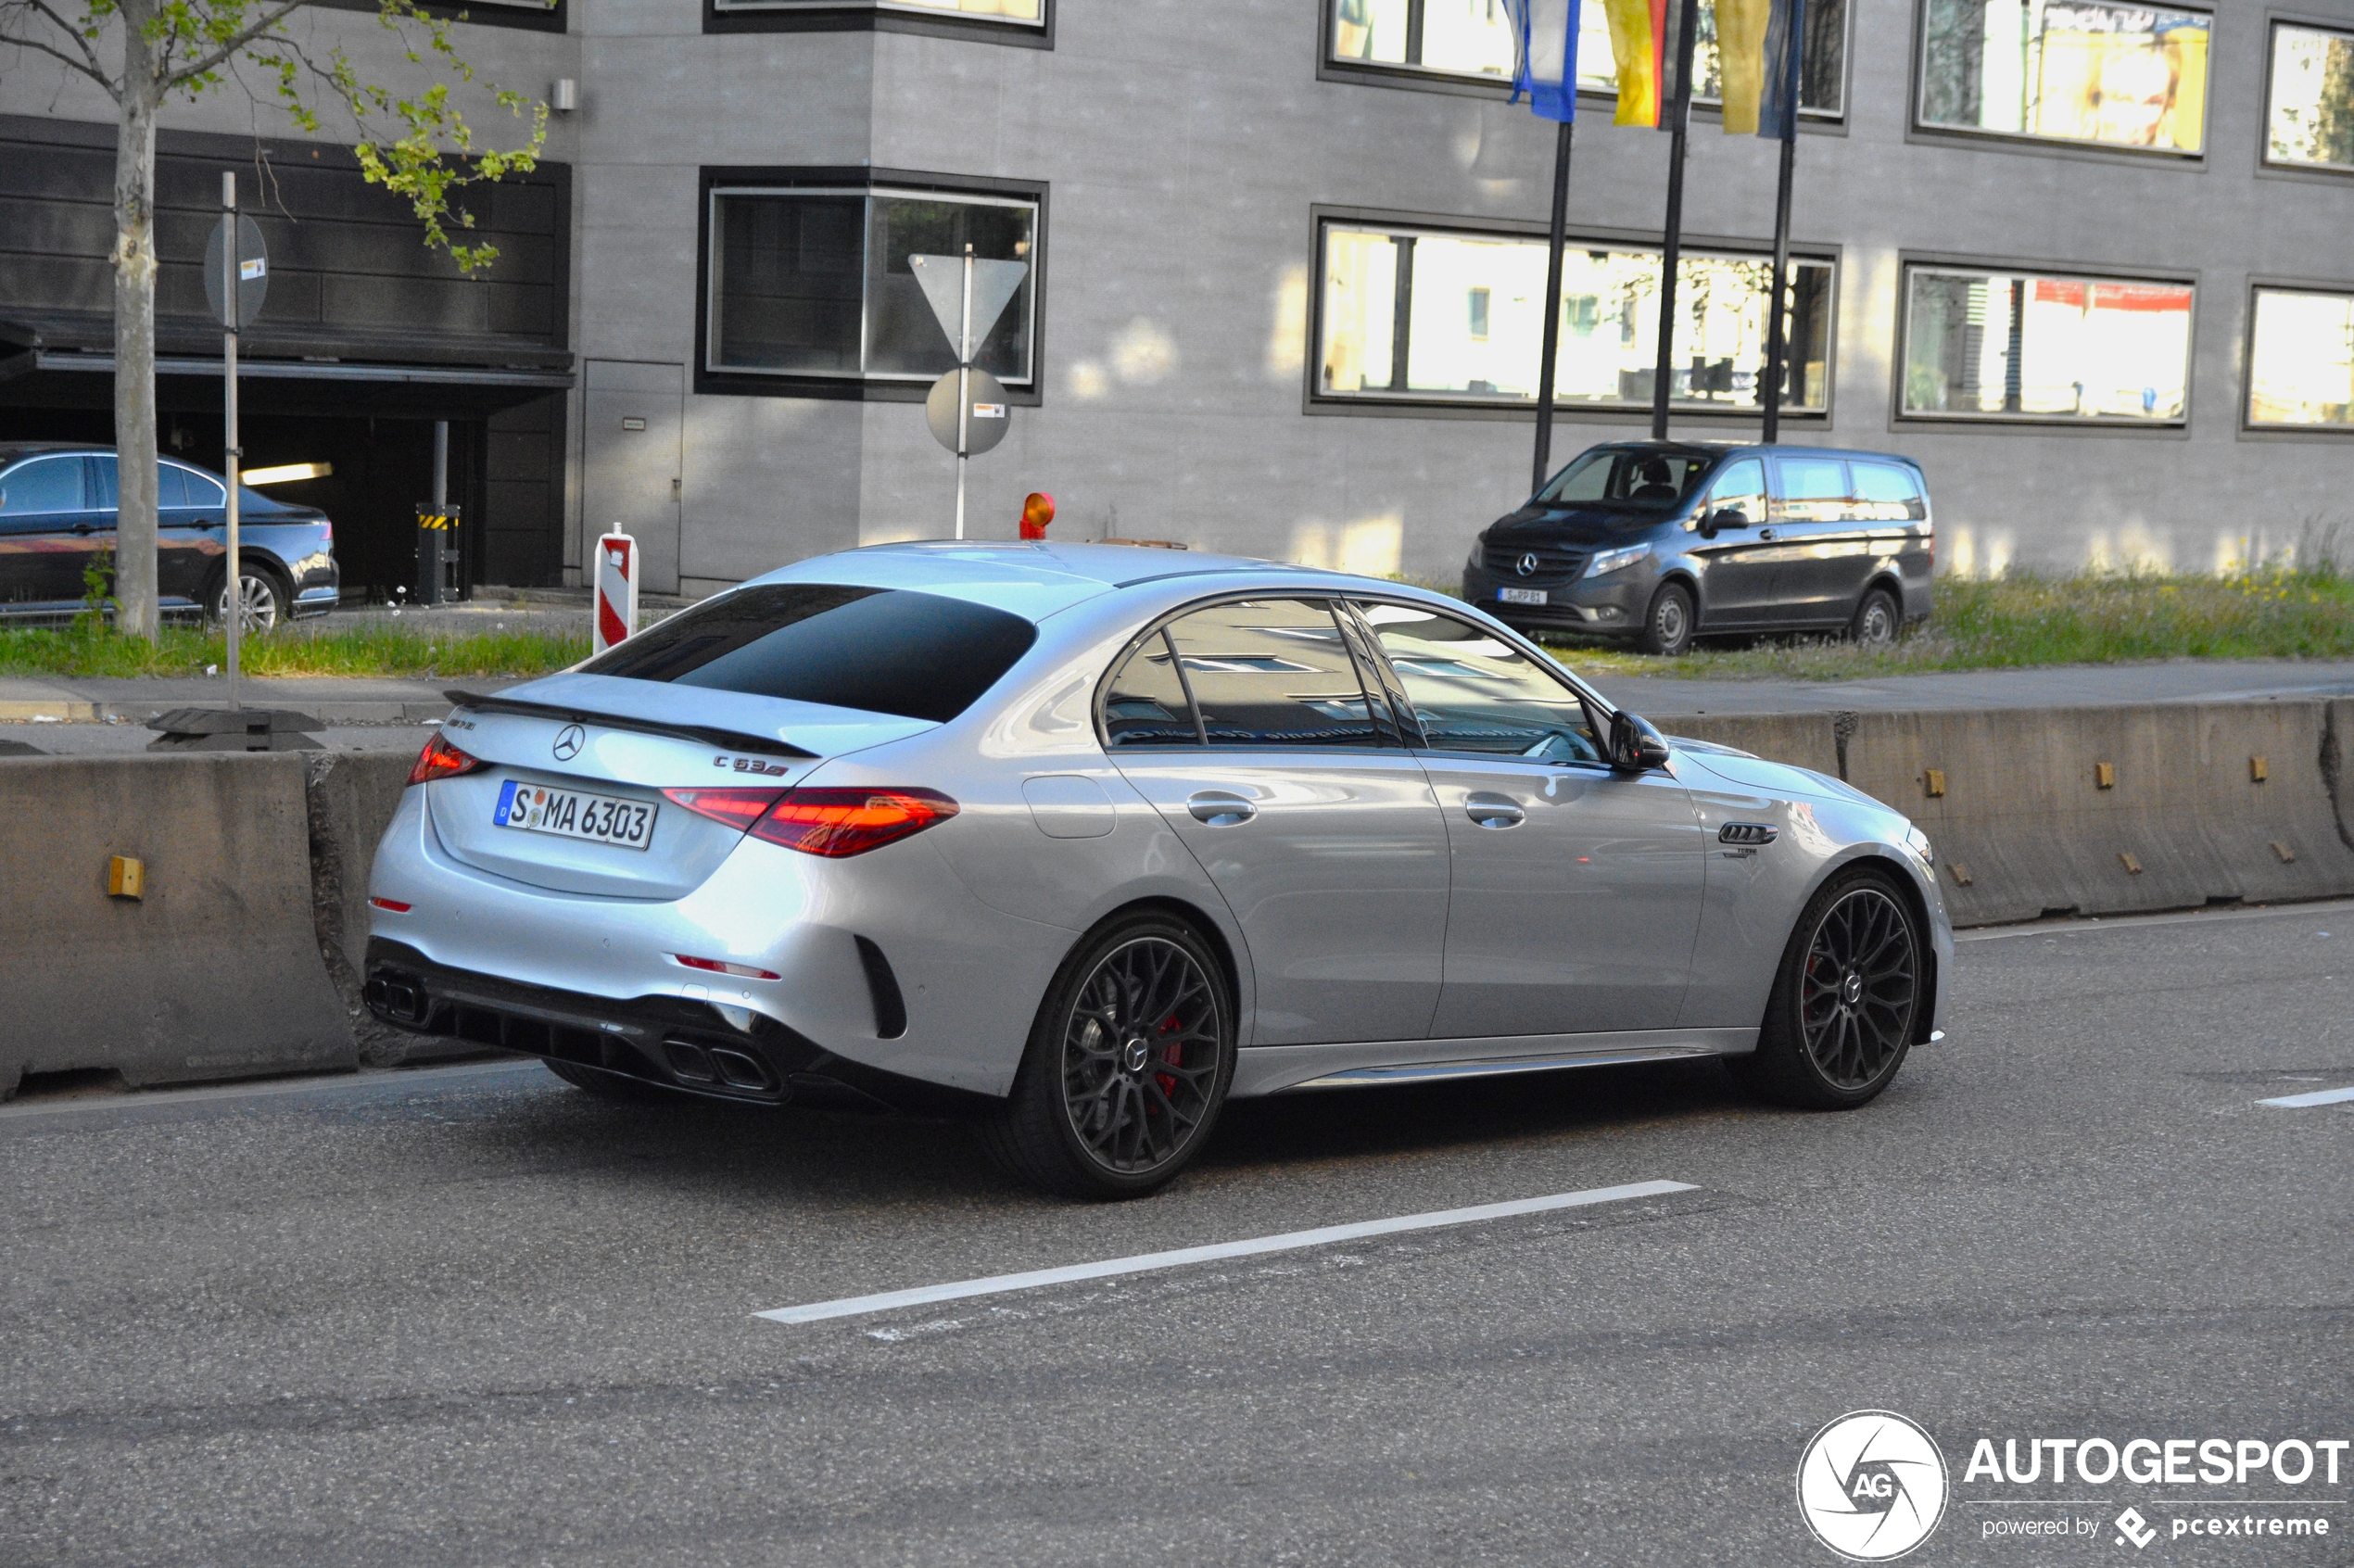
[
  {"x": 1871, "y": 1486},
  {"x": 751, "y": 765}
]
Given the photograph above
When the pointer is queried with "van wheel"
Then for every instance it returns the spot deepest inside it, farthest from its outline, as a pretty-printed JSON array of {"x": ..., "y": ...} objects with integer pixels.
[
  {"x": 1839, "y": 1019},
  {"x": 1878, "y": 620},
  {"x": 1127, "y": 1068},
  {"x": 1669, "y": 622}
]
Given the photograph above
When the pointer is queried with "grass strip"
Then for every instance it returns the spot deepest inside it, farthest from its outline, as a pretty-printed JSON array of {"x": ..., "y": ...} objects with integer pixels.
[{"x": 374, "y": 650}]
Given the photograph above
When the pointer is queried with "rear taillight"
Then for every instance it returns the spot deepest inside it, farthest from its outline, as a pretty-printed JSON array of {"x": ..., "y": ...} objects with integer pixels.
[
  {"x": 833, "y": 823},
  {"x": 441, "y": 760},
  {"x": 738, "y": 808},
  {"x": 840, "y": 823}
]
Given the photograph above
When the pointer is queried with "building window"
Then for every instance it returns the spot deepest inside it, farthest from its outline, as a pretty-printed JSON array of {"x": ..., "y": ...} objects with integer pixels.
[
  {"x": 2300, "y": 359},
  {"x": 814, "y": 281},
  {"x": 1473, "y": 39},
  {"x": 2113, "y": 75},
  {"x": 1016, "y": 13},
  {"x": 1983, "y": 344},
  {"x": 1393, "y": 326},
  {"x": 2312, "y": 121}
]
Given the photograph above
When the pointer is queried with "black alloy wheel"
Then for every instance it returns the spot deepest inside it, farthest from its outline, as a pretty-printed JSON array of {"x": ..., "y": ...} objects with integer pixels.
[
  {"x": 1127, "y": 1068},
  {"x": 1878, "y": 620},
  {"x": 1844, "y": 1005},
  {"x": 1670, "y": 622}
]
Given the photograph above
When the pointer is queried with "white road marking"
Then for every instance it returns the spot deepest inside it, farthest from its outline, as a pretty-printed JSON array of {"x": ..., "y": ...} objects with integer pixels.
[
  {"x": 998, "y": 1284},
  {"x": 2318, "y": 1097}
]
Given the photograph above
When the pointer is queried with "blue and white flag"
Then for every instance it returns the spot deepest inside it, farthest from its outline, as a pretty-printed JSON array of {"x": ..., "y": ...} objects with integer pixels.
[{"x": 1545, "y": 56}]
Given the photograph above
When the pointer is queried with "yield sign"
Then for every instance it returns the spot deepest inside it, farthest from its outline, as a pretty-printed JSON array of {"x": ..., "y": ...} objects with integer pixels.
[{"x": 943, "y": 281}]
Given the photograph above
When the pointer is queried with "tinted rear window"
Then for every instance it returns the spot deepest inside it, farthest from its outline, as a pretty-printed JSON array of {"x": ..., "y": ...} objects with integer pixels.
[{"x": 881, "y": 651}]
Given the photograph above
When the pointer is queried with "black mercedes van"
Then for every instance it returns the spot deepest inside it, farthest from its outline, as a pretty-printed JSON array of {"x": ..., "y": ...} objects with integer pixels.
[{"x": 1663, "y": 541}]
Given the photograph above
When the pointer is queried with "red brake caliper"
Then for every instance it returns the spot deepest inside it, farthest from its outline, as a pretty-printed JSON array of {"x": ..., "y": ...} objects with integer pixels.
[{"x": 1173, "y": 1056}]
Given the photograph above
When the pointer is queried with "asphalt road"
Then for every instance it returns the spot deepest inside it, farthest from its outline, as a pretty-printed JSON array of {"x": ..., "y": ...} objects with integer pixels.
[{"x": 471, "y": 1316}]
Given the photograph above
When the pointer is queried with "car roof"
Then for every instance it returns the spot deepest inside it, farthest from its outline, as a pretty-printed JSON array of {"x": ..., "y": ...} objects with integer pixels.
[
  {"x": 1031, "y": 580},
  {"x": 11, "y": 451},
  {"x": 1713, "y": 447}
]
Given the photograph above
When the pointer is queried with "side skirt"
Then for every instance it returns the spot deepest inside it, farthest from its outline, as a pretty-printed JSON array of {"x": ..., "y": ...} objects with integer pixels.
[{"x": 1274, "y": 1069}]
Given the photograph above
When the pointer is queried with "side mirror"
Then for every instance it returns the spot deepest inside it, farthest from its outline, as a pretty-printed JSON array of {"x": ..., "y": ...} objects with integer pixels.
[
  {"x": 1728, "y": 517},
  {"x": 1635, "y": 746}
]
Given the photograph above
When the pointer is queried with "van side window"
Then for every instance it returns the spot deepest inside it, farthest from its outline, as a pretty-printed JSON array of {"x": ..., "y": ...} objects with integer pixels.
[
  {"x": 1885, "y": 493},
  {"x": 1740, "y": 487},
  {"x": 1814, "y": 489}
]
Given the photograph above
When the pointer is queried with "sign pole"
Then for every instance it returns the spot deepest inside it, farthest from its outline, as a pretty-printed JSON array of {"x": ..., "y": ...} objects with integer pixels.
[
  {"x": 1662, "y": 380},
  {"x": 233, "y": 454},
  {"x": 1776, "y": 347},
  {"x": 964, "y": 392},
  {"x": 1541, "y": 468}
]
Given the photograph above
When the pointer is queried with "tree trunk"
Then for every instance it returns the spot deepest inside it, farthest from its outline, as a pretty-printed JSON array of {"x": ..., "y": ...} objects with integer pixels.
[{"x": 134, "y": 329}]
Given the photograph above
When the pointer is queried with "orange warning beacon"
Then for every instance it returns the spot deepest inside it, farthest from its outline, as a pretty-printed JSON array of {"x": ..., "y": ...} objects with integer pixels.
[{"x": 1036, "y": 512}]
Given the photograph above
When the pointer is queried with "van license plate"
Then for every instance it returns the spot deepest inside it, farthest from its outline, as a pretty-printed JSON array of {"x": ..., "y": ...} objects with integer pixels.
[
  {"x": 1521, "y": 596},
  {"x": 569, "y": 813}
]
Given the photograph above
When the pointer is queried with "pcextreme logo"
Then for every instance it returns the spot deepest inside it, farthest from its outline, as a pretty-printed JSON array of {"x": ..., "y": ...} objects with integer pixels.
[{"x": 1871, "y": 1486}]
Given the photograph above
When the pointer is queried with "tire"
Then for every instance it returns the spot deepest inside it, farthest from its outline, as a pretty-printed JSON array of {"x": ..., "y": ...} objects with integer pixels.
[
  {"x": 620, "y": 1088},
  {"x": 1878, "y": 620},
  {"x": 1098, "y": 1111},
  {"x": 268, "y": 598},
  {"x": 1840, "y": 1017},
  {"x": 1669, "y": 622}
]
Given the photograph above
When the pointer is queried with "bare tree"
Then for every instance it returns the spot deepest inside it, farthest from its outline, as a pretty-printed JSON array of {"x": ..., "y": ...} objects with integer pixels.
[{"x": 420, "y": 146}]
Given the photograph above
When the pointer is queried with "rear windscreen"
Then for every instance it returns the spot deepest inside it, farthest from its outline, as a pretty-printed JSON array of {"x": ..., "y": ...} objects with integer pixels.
[{"x": 881, "y": 651}]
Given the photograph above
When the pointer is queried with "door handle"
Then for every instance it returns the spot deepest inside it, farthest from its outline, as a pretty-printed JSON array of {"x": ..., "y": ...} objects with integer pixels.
[
  {"x": 1765, "y": 532},
  {"x": 85, "y": 527},
  {"x": 1494, "y": 811},
  {"x": 1218, "y": 808}
]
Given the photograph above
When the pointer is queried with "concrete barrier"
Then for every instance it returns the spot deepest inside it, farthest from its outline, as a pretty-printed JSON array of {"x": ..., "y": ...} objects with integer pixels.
[
  {"x": 350, "y": 798},
  {"x": 1806, "y": 739},
  {"x": 2099, "y": 811},
  {"x": 212, "y": 973}
]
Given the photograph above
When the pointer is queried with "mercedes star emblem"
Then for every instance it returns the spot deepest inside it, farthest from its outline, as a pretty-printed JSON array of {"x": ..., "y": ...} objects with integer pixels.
[
  {"x": 569, "y": 741},
  {"x": 1528, "y": 564}
]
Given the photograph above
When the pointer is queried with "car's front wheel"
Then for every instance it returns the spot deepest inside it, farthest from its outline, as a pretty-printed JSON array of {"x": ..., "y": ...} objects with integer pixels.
[
  {"x": 1128, "y": 1064},
  {"x": 1670, "y": 622},
  {"x": 1846, "y": 1000}
]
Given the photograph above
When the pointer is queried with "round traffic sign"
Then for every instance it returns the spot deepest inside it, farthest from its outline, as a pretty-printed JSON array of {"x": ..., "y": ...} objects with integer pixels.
[
  {"x": 991, "y": 412},
  {"x": 253, "y": 272}
]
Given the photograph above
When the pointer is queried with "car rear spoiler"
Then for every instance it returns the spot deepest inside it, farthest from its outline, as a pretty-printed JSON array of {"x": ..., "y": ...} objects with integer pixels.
[{"x": 726, "y": 739}]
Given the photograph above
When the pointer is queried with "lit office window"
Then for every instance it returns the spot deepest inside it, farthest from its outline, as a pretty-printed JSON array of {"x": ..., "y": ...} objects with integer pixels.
[
  {"x": 1031, "y": 13},
  {"x": 2300, "y": 359},
  {"x": 2114, "y": 75},
  {"x": 817, "y": 282},
  {"x": 2312, "y": 113},
  {"x": 1395, "y": 323},
  {"x": 1997, "y": 346},
  {"x": 1474, "y": 38}
]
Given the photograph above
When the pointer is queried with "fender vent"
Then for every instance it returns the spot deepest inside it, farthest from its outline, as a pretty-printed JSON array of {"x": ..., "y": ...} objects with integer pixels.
[
  {"x": 891, "y": 1008},
  {"x": 1747, "y": 833}
]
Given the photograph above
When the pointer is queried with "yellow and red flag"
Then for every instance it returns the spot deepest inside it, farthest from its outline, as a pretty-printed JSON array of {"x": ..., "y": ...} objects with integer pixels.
[{"x": 1638, "y": 47}]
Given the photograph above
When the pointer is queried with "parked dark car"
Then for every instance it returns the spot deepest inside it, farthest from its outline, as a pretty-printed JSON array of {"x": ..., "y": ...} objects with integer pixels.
[
  {"x": 1662, "y": 541},
  {"x": 58, "y": 512}
]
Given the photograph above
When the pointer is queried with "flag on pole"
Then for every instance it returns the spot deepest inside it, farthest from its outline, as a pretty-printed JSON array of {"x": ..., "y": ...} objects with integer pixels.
[
  {"x": 1638, "y": 49},
  {"x": 1757, "y": 45},
  {"x": 1545, "y": 56}
]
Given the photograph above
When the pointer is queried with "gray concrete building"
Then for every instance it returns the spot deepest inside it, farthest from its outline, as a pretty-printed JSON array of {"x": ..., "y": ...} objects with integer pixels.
[{"x": 2085, "y": 261}]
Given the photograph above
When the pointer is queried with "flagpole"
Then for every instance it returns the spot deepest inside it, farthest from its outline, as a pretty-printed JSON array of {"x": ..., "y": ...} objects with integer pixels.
[
  {"x": 1776, "y": 347},
  {"x": 1662, "y": 380},
  {"x": 1543, "y": 465}
]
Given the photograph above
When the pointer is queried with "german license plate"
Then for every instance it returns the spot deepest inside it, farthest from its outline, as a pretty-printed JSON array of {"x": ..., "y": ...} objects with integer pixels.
[
  {"x": 571, "y": 814},
  {"x": 1521, "y": 596}
]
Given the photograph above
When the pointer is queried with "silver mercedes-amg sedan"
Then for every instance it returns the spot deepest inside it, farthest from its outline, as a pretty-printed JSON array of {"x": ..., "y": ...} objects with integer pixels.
[{"x": 1087, "y": 839}]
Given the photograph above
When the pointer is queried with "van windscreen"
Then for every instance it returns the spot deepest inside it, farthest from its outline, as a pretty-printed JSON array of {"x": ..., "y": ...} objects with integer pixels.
[{"x": 880, "y": 651}]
